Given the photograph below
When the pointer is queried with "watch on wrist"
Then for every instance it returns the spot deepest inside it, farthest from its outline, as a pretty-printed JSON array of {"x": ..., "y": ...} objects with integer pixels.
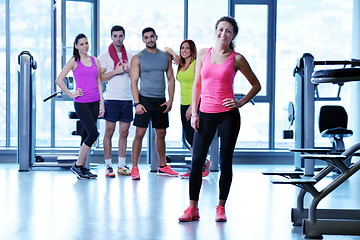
[{"x": 135, "y": 104}]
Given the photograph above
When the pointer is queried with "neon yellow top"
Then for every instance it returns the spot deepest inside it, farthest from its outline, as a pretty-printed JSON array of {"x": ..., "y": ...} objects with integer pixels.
[{"x": 186, "y": 79}]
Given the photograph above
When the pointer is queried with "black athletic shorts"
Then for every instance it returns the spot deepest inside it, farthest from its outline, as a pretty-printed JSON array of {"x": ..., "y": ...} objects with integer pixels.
[{"x": 154, "y": 112}]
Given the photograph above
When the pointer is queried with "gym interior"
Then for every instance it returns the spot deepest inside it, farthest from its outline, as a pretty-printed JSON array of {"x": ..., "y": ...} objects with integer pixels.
[{"x": 295, "y": 166}]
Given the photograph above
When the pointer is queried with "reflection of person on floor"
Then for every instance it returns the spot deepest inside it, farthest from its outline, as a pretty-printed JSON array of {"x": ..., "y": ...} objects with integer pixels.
[
  {"x": 219, "y": 109},
  {"x": 185, "y": 75},
  {"x": 150, "y": 103},
  {"x": 88, "y": 99},
  {"x": 114, "y": 67}
]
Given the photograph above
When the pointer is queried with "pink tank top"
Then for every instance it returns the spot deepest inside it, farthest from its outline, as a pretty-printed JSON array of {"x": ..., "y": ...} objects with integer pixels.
[
  {"x": 216, "y": 84},
  {"x": 86, "y": 78}
]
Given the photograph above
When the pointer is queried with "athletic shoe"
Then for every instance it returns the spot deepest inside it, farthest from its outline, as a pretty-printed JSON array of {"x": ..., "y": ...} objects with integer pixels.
[
  {"x": 220, "y": 214},
  {"x": 124, "y": 171},
  {"x": 135, "y": 175},
  {"x": 79, "y": 172},
  {"x": 190, "y": 214},
  {"x": 206, "y": 168},
  {"x": 167, "y": 171},
  {"x": 185, "y": 175},
  {"x": 109, "y": 172},
  {"x": 91, "y": 175}
]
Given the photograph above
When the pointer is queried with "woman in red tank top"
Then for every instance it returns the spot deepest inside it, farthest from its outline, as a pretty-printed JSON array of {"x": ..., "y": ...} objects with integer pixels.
[{"x": 219, "y": 110}]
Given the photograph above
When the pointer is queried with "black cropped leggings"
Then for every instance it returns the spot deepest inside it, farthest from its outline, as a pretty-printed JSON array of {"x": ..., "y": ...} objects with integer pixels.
[
  {"x": 88, "y": 114},
  {"x": 188, "y": 131},
  {"x": 228, "y": 124}
]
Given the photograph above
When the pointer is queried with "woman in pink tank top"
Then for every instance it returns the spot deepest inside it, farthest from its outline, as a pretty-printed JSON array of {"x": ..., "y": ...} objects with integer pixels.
[
  {"x": 88, "y": 99},
  {"x": 219, "y": 110}
]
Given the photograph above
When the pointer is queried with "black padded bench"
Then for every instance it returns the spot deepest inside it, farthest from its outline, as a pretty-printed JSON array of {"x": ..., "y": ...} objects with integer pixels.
[
  {"x": 79, "y": 126},
  {"x": 336, "y": 76}
]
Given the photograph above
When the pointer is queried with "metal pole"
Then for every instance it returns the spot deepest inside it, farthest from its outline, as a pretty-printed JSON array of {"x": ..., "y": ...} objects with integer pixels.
[
  {"x": 26, "y": 124},
  {"x": 7, "y": 63},
  {"x": 186, "y": 18},
  {"x": 152, "y": 156}
]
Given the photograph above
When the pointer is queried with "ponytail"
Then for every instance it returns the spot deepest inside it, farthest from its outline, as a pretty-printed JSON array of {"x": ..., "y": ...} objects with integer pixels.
[{"x": 232, "y": 45}]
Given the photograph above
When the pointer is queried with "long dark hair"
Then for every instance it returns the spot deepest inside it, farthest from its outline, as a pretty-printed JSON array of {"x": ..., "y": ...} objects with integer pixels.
[
  {"x": 233, "y": 22},
  {"x": 192, "y": 50},
  {"x": 76, "y": 53}
]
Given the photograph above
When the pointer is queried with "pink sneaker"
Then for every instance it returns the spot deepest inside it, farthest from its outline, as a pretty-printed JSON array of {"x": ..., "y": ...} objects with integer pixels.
[
  {"x": 167, "y": 171},
  {"x": 206, "y": 168},
  {"x": 135, "y": 175},
  {"x": 220, "y": 214},
  {"x": 190, "y": 214},
  {"x": 185, "y": 175}
]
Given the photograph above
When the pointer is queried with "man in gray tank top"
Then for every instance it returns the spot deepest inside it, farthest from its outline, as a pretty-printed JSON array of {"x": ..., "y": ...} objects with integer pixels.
[{"x": 150, "y": 102}]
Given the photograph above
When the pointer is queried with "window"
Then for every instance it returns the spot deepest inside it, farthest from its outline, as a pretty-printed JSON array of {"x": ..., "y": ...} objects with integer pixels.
[
  {"x": 202, "y": 20},
  {"x": 3, "y": 100},
  {"x": 166, "y": 17},
  {"x": 256, "y": 41},
  {"x": 31, "y": 32},
  {"x": 76, "y": 17},
  {"x": 254, "y": 131},
  {"x": 252, "y": 43},
  {"x": 322, "y": 28}
]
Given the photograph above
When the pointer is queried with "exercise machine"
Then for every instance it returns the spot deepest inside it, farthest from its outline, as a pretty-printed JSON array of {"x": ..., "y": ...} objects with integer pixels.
[
  {"x": 26, "y": 156},
  {"x": 307, "y": 92},
  {"x": 26, "y": 111},
  {"x": 316, "y": 222},
  {"x": 332, "y": 124}
]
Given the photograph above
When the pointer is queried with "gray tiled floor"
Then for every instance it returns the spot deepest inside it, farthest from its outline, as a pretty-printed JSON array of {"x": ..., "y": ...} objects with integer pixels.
[{"x": 53, "y": 204}]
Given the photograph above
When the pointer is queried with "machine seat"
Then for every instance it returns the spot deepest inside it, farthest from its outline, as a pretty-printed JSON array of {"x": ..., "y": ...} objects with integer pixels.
[
  {"x": 79, "y": 126},
  {"x": 337, "y": 132},
  {"x": 73, "y": 115}
]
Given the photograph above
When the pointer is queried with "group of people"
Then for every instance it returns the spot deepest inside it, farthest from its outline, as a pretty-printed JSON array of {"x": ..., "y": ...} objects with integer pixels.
[{"x": 208, "y": 103}]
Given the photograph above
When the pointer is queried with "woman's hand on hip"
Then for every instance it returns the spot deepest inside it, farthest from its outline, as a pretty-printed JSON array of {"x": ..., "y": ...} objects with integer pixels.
[
  {"x": 78, "y": 93},
  {"x": 230, "y": 103}
]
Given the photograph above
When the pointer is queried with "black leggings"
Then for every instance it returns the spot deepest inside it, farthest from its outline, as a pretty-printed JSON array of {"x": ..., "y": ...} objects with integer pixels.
[
  {"x": 228, "y": 124},
  {"x": 88, "y": 114},
  {"x": 188, "y": 131}
]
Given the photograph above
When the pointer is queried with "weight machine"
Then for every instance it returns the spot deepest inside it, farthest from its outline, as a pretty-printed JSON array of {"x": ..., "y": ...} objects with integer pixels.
[
  {"x": 306, "y": 93},
  {"x": 316, "y": 222},
  {"x": 26, "y": 156}
]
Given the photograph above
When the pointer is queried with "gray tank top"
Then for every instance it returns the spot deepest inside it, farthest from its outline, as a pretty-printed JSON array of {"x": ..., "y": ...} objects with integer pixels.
[{"x": 152, "y": 68}]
